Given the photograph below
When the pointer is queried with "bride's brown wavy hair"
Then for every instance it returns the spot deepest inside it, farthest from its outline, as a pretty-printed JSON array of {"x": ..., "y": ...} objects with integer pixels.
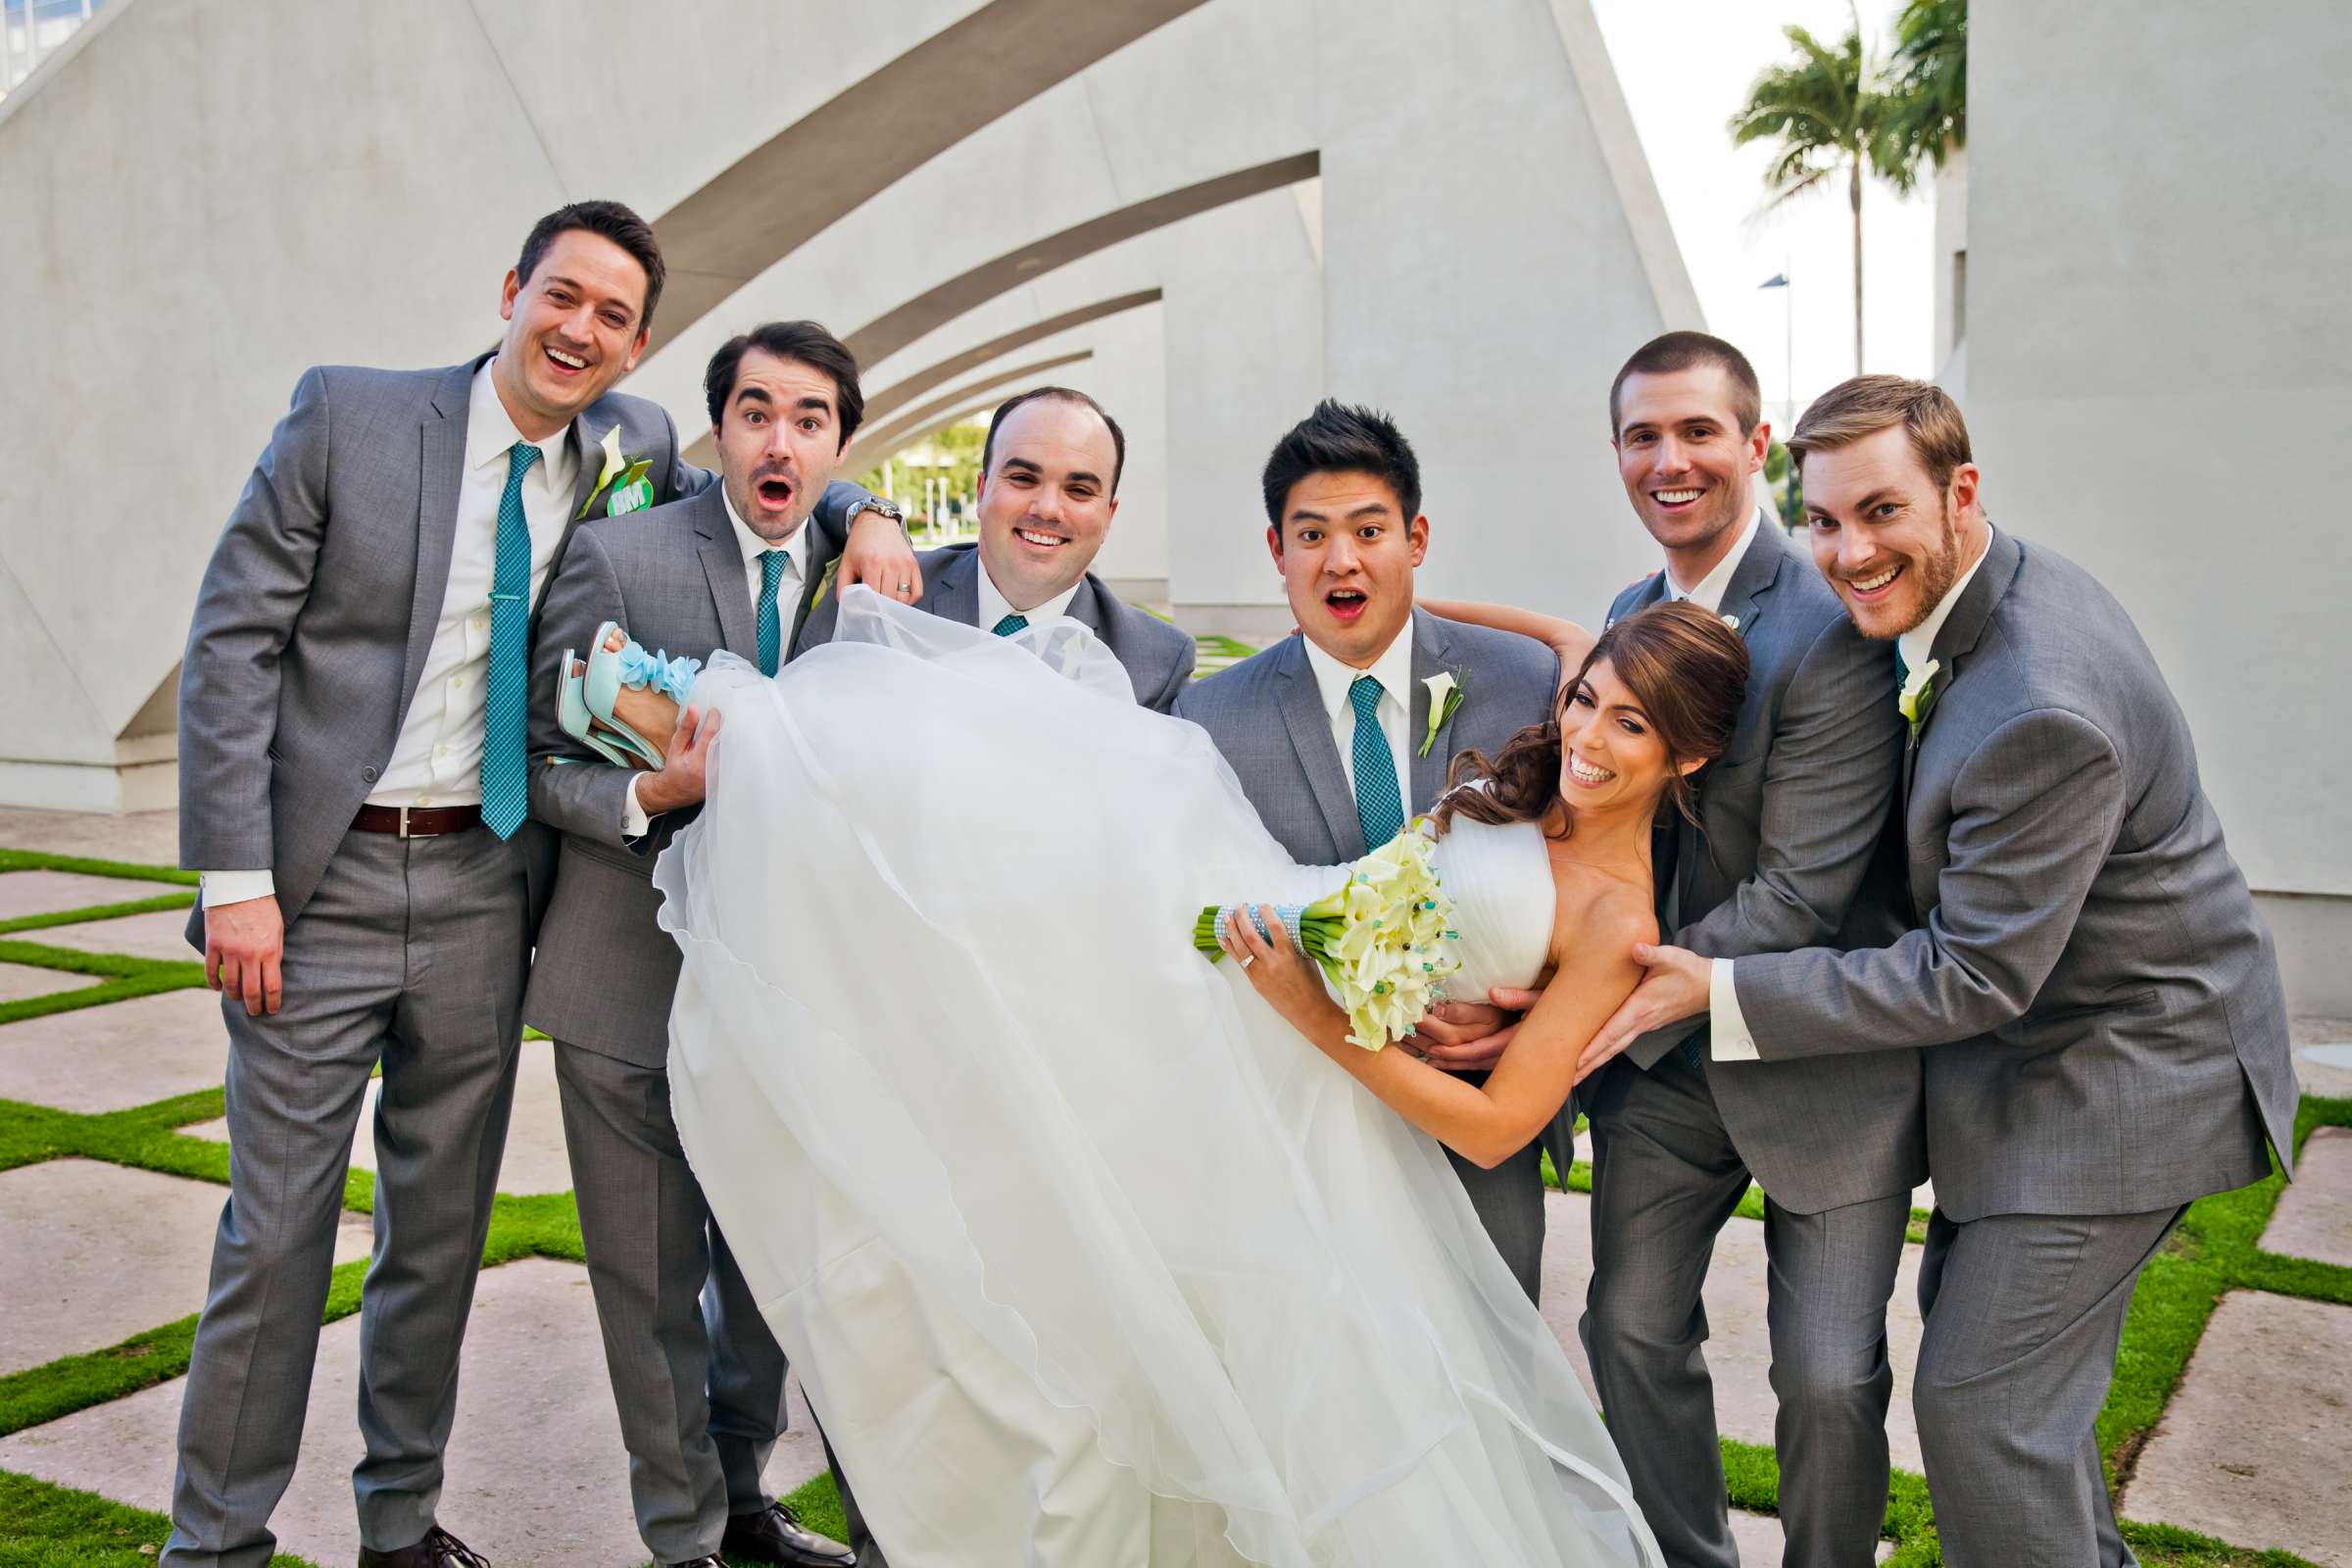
[{"x": 1683, "y": 666}]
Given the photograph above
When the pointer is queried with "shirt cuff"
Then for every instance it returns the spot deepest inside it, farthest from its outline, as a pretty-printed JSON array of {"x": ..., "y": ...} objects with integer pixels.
[
  {"x": 1728, "y": 1039},
  {"x": 237, "y": 887},
  {"x": 634, "y": 823}
]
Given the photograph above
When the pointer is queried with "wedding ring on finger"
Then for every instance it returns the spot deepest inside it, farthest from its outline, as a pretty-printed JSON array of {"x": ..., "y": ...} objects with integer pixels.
[
  {"x": 906, "y": 587},
  {"x": 1249, "y": 958}
]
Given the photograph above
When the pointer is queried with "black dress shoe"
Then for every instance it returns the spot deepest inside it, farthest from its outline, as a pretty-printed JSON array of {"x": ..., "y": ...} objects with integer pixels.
[
  {"x": 774, "y": 1536},
  {"x": 438, "y": 1550}
]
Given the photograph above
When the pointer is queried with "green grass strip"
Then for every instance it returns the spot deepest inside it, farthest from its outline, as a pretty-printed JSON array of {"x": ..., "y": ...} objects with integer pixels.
[
  {"x": 44, "y": 1526},
  {"x": 129, "y": 870},
  {"x": 98, "y": 912}
]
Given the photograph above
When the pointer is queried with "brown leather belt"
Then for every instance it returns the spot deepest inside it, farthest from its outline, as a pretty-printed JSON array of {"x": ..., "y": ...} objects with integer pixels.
[{"x": 417, "y": 822}]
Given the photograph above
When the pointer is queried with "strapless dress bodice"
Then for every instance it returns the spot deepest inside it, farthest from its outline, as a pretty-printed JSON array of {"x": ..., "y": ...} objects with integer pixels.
[{"x": 1500, "y": 882}]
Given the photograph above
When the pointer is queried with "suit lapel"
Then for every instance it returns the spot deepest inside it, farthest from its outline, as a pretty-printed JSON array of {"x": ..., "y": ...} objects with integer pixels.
[
  {"x": 955, "y": 595},
  {"x": 1310, "y": 725},
  {"x": 441, "y": 474},
  {"x": 1433, "y": 654},
  {"x": 1645, "y": 593},
  {"x": 1957, "y": 638},
  {"x": 1748, "y": 595},
  {"x": 723, "y": 568}
]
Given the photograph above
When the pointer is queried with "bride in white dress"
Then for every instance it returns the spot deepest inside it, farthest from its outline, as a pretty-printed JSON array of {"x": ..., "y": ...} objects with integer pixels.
[{"x": 1083, "y": 1255}]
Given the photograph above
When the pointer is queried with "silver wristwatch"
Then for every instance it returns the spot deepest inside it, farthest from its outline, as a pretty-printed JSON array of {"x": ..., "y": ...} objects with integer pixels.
[{"x": 888, "y": 508}]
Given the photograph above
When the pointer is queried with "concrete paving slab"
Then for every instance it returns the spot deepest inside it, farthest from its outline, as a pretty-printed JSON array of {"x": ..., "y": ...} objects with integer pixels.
[
  {"x": 1739, "y": 1352},
  {"x": 536, "y": 1161},
  {"x": 95, "y": 1252},
  {"x": 157, "y": 933},
  {"x": 2314, "y": 1216},
  {"x": 536, "y": 1472},
  {"x": 2251, "y": 1448},
  {"x": 1761, "y": 1542},
  {"x": 146, "y": 838},
  {"x": 21, "y": 980},
  {"x": 2324, "y": 1066},
  {"x": 118, "y": 1056},
  {"x": 24, "y": 892}
]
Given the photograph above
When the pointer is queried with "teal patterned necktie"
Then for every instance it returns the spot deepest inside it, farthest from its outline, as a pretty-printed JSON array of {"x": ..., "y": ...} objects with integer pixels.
[
  {"x": 1377, "y": 803},
  {"x": 1010, "y": 624},
  {"x": 506, "y": 769},
  {"x": 771, "y": 627}
]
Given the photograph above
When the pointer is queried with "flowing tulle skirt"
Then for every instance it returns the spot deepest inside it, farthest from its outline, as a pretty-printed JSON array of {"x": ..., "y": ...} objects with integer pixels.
[{"x": 1082, "y": 1254}]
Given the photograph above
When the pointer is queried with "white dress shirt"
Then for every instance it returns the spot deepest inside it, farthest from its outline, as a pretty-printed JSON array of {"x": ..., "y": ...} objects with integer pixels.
[
  {"x": 794, "y": 547},
  {"x": 1394, "y": 669},
  {"x": 437, "y": 759},
  {"x": 1708, "y": 595},
  {"x": 1729, "y": 1038},
  {"x": 995, "y": 606}
]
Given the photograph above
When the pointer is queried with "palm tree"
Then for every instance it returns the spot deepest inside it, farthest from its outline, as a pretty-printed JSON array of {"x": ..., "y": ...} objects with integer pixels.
[
  {"x": 1829, "y": 117},
  {"x": 1928, "y": 86}
]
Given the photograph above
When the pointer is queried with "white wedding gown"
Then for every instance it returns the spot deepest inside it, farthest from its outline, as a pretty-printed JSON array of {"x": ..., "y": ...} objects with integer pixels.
[{"x": 1084, "y": 1256}]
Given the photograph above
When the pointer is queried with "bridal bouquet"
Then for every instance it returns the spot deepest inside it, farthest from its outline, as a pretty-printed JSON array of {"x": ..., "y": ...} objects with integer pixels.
[{"x": 1384, "y": 941}]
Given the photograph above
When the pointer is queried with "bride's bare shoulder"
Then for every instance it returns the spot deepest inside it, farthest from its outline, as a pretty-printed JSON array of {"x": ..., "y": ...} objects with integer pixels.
[{"x": 1598, "y": 910}]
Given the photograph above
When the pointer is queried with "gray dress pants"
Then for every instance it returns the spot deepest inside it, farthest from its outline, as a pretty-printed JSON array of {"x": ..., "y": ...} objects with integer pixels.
[
  {"x": 411, "y": 953},
  {"x": 2023, "y": 1315},
  {"x": 698, "y": 1378},
  {"x": 1665, "y": 1178}
]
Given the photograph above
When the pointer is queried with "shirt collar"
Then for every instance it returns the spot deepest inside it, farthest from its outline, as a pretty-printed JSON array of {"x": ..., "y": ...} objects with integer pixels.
[
  {"x": 1394, "y": 669},
  {"x": 1708, "y": 595},
  {"x": 995, "y": 606},
  {"x": 753, "y": 547},
  {"x": 489, "y": 434},
  {"x": 1918, "y": 645}
]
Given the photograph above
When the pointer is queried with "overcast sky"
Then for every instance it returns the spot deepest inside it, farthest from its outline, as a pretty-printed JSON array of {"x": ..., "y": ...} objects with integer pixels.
[{"x": 1686, "y": 65}]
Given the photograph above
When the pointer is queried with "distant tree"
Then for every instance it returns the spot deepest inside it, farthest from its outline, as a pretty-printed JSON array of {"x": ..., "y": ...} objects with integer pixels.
[
  {"x": 1926, "y": 85},
  {"x": 1825, "y": 110},
  {"x": 1787, "y": 487}
]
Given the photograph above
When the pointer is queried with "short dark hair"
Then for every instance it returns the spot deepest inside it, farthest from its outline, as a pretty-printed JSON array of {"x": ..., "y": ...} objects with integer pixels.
[
  {"x": 1685, "y": 351},
  {"x": 1343, "y": 438},
  {"x": 1864, "y": 405},
  {"x": 616, "y": 222},
  {"x": 1059, "y": 394},
  {"x": 805, "y": 341}
]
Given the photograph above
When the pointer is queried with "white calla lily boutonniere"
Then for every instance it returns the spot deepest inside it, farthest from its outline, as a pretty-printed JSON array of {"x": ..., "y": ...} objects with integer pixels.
[
  {"x": 1444, "y": 696},
  {"x": 1919, "y": 695},
  {"x": 623, "y": 481},
  {"x": 1731, "y": 622}
]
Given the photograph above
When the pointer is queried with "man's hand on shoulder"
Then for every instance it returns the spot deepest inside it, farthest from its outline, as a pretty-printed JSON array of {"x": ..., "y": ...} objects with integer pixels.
[
  {"x": 244, "y": 944},
  {"x": 879, "y": 557}
]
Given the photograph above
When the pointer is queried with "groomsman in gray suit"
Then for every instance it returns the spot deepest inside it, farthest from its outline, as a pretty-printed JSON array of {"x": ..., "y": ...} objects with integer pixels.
[
  {"x": 2105, "y": 1027},
  {"x": 1332, "y": 731},
  {"x": 698, "y": 1378},
  {"x": 1049, "y": 488},
  {"x": 353, "y": 785},
  {"x": 1786, "y": 854}
]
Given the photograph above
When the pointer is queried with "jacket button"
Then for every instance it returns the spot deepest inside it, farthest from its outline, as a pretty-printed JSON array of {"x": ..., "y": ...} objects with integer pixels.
[{"x": 368, "y": 775}]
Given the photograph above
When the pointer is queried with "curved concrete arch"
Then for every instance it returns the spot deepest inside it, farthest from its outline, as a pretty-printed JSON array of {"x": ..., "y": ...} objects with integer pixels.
[
  {"x": 905, "y": 390},
  {"x": 873, "y": 445},
  {"x": 942, "y": 303},
  {"x": 875, "y": 130}
]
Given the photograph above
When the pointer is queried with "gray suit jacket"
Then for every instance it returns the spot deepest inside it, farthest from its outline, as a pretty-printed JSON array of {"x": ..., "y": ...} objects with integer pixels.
[
  {"x": 2108, "y": 1026},
  {"x": 1793, "y": 852},
  {"x": 318, "y": 607},
  {"x": 1267, "y": 717},
  {"x": 674, "y": 576},
  {"x": 1157, "y": 657}
]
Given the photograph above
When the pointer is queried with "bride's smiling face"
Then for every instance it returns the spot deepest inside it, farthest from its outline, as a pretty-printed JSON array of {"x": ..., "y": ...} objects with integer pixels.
[{"x": 1610, "y": 752}]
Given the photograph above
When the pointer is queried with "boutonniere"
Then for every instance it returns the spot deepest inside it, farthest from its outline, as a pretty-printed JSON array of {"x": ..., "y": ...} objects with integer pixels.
[
  {"x": 1731, "y": 622},
  {"x": 1918, "y": 694},
  {"x": 1444, "y": 696},
  {"x": 824, "y": 583},
  {"x": 624, "y": 482}
]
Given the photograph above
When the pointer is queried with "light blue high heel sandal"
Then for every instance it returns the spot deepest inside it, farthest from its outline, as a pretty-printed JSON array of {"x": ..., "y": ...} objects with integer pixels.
[{"x": 585, "y": 698}]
